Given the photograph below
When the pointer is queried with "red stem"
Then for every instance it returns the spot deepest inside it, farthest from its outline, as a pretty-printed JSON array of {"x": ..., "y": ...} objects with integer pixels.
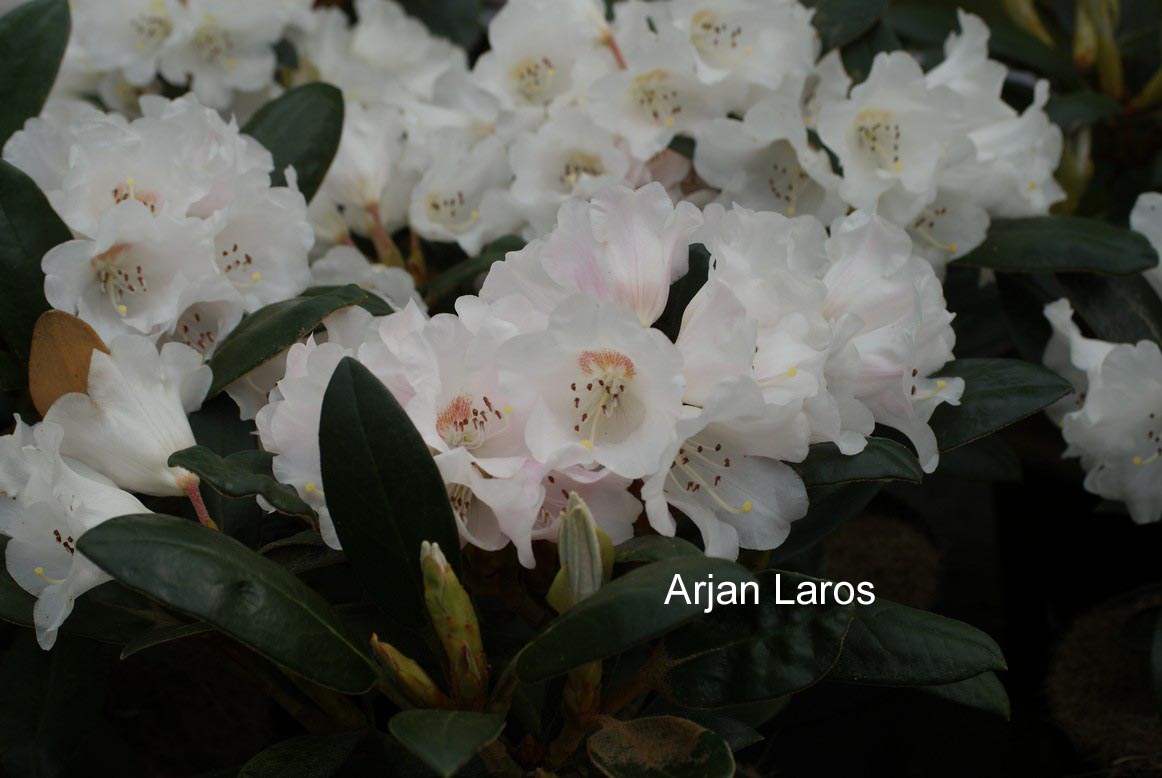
[
  {"x": 195, "y": 495},
  {"x": 611, "y": 42}
]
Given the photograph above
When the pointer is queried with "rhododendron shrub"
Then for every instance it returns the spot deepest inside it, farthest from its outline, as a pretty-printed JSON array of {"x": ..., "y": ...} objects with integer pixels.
[{"x": 538, "y": 389}]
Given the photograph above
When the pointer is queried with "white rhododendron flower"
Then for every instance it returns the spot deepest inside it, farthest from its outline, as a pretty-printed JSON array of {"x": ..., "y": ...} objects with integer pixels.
[
  {"x": 47, "y": 502},
  {"x": 133, "y": 414},
  {"x": 346, "y": 265},
  {"x": 1114, "y": 420}
]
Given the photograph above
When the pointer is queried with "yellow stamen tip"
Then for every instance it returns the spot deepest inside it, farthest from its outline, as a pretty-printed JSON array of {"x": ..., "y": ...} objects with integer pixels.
[
  {"x": 1137, "y": 460},
  {"x": 1032, "y": 185},
  {"x": 587, "y": 443},
  {"x": 231, "y": 63},
  {"x": 310, "y": 487},
  {"x": 669, "y": 121},
  {"x": 475, "y": 215},
  {"x": 508, "y": 409},
  {"x": 256, "y": 276},
  {"x": 898, "y": 167},
  {"x": 38, "y": 570},
  {"x": 130, "y": 181},
  {"x": 747, "y": 506},
  {"x": 941, "y": 384},
  {"x": 794, "y": 371},
  {"x": 953, "y": 248},
  {"x": 791, "y": 211},
  {"x": 122, "y": 309}
]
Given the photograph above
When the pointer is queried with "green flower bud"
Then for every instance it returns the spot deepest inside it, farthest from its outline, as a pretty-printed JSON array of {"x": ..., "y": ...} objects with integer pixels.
[
  {"x": 1024, "y": 15},
  {"x": 586, "y": 555},
  {"x": 454, "y": 620},
  {"x": 407, "y": 676}
]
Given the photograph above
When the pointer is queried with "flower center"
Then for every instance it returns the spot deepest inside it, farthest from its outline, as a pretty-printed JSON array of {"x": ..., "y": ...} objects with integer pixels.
[
  {"x": 1152, "y": 435},
  {"x": 192, "y": 331},
  {"x": 467, "y": 423},
  {"x": 656, "y": 99},
  {"x": 151, "y": 28},
  {"x": 128, "y": 191},
  {"x": 461, "y": 498},
  {"x": 927, "y": 223},
  {"x": 578, "y": 164},
  {"x": 605, "y": 375},
  {"x": 700, "y": 467},
  {"x": 717, "y": 40},
  {"x": 119, "y": 276},
  {"x": 451, "y": 211},
  {"x": 788, "y": 181},
  {"x": 212, "y": 43},
  {"x": 534, "y": 78},
  {"x": 238, "y": 265},
  {"x": 879, "y": 137}
]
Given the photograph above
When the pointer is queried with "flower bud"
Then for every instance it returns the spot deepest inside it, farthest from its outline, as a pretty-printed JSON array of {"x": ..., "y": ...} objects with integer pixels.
[
  {"x": 586, "y": 555},
  {"x": 1151, "y": 94},
  {"x": 1084, "y": 39},
  {"x": 1024, "y": 15},
  {"x": 408, "y": 676},
  {"x": 454, "y": 620},
  {"x": 1110, "y": 75}
]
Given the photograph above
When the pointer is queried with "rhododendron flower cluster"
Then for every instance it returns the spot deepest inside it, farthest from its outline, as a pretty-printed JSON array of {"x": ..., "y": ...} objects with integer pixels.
[
  {"x": 178, "y": 231},
  {"x": 553, "y": 380}
]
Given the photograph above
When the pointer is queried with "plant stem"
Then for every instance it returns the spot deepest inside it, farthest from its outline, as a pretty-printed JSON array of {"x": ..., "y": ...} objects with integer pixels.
[{"x": 195, "y": 495}]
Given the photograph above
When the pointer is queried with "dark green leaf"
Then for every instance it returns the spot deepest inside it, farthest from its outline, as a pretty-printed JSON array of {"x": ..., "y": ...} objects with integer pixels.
[
  {"x": 882, "y": 460},
  {"x": 653, "y": 548},
  {"x": 894, "y": 645},
  {"x": 445, "y": 739},
  {"x": 860, "y": 54},
  {"x": 659, "y": 746},
  {"x": 164, "y": 635},
  {"x": 1081, "y": 109},
  {"x": 13, "y": 375},
  {"x": 831, "y": 506},
  {"x": 683, "y": 290},
  {"x": 842, "y": 21},
  {"x": 308, "y": 756},
  {"x": 1023, "y": 298},
  {"x": 462, "y": 273},
  {"x": 1121, "y": 310},
  {"x": 218, "y": 427},
  {"x": 461, "y": 21},
  {"x": 997, "y": 393},
  {"x": 215, "y": 578},
  {"x": 383, "y": 490},
  {"x": 985, "y": 692},
  {"x": 51, "y": 699},
  {"x": 748, "y": 653},
  {"x": 373, "y": 304},
  {"x": 626, "y": 612},
  {"x": 1061, "y": 244},
  {"x": 28, "y": 229},
  {"x": 265, "y": 334},
  {"x": 301, "y": 129},
  {"x": 33, "y": 38},
  {"x": 988, "y": 459},
  {"x": 244, "y": 474}
]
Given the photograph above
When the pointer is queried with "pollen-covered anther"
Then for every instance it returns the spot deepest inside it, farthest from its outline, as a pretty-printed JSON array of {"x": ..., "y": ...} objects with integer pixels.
[
  {"x": 657, "y": 99},
  {"x": 466, "y": 422},
  {"x": 878, "y": 134},
  {"x": 451, "y": 211},
  {"x": 118, "y": 276},
  {"x": 700, "y": 467},
  {"x": 534, "y": 78}
]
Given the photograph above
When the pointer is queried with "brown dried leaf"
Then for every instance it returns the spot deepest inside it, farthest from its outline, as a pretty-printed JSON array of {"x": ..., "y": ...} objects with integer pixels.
[{"x": 62, "y": 348}]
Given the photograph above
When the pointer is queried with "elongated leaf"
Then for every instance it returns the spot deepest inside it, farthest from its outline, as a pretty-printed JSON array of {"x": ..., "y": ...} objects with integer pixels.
[
  {"x": 164, "y": 635},
  {"x": 882, "y": 460},
  {"x": 1081, "y": 109},
  {"x": 894, "y": 645},
  {"x": 309, "y": 756},
  {"x": 383, "y": 490},
  {"x": 842, "y": 21},
  {"x": 1123, "y": 309},
  {"x": 29, "y": 227},
  {"x": 830, "y": 507},
  {"x": 373, "y": 303},
  {"x": 626, "y": 612},
  {"x": 445, "y": 739},
  {"x": 985, "y": 692},
  {"x": 654, "y": 548},
  {"x": 459, "y": 274},
  {"x": 264, "y": 335},
  {"x": 13, "y": 375},
  {"x": 997, "y": 393},
  {"x": 215, "y": 578},
  {"x": 1058, "y": 244},
  {"x": 988, "y": 459},
  {"x": 301, "y": 129},
  {"x": 217, "y": 427},
  {"x": 33, "y": 38},
  {"x": 748, "y": 653},
  {"x": 244, "y": 474},
  {"x": 860, "y": 54},
  {"x": 461, "y": 21},
  {"x": 659, "y": 745}
]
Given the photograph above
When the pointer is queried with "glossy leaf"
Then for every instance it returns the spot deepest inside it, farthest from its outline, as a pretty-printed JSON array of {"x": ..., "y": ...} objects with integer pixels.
[
  {"x": 989, "y": 459},
  {"x": 33, "y": 38},
  {"x": 894, "y": 645},
  {"x": 383, "y": 490},
  {"x": 1081, "y": 109},
  {"x": 997, "y": 393},
  {"x": 217, "y": 426},
  {"x": 461, "y": 21},
  {"x": 1123, "y": 309},
  {"x": 301, "y": 129},
  {"x": 654, "y": 548},
  {"x": 445, "y": 739},
  {"x": 830, "y": 507},
  {"x": 984, "y": 692},
  {"x": 1060, "y": 244},
  {"x": 842, "y": 21},
  {"x": 313, "y": 756},
  {"x": 659, "y": 746},
  {"x": 164, "y": 635},
  {"x": 373, "y": 303},
  {"x": 212, "y": 577},
  {"x": 748, "y": 653},
  {"x": 882, "y": 460},
  {"x": 265, "y": 334},
  {"x": 244, "y": 474},
  {"x": 29, "y": 227},
  {"x": 624, "y": 613},
  {"x": 13, "y": 375}
]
